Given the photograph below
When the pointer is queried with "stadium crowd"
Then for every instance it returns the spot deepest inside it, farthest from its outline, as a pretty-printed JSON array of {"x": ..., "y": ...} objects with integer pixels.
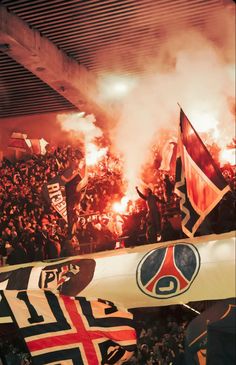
[
  {"x": 31, "y": 230},
  {"x": 161, "y": 336}
]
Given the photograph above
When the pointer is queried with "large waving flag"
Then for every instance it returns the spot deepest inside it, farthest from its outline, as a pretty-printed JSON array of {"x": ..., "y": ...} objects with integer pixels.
[
  {"x": 199, "y": 182},
  {"x": 72, "y": 330}
]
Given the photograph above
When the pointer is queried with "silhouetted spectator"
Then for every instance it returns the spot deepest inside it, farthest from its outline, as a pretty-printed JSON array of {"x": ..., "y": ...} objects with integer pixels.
[
  {"x": 18, "y": 255},
  {"x": 153, "y": 216}
]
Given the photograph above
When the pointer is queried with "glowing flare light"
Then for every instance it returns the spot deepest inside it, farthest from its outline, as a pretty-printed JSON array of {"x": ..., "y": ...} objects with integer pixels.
[
  {"x": 121, "y": 207},
  {"x": 228, "y": 155},
  {"x": 94, "y": 154}
]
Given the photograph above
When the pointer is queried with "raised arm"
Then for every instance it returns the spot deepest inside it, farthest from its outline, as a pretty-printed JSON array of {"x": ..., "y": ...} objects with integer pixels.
[{"x": 140, "y": 194}]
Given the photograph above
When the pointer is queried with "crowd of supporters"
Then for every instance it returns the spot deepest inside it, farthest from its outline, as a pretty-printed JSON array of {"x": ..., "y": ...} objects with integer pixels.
[
  {"x": 161, "y": 336},
  {"x": 31, "y": 230}
]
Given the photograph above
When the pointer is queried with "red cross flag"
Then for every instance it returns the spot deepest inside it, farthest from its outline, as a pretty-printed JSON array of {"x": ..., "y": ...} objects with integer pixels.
[{"x": 72, "y": 330}]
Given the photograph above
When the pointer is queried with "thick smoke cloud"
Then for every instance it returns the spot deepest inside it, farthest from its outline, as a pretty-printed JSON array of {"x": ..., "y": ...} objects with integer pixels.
[
  {"x": 190, "y": 66},
  {"x": 80, "y": 126},
  {"x": 194, "y": 68}
]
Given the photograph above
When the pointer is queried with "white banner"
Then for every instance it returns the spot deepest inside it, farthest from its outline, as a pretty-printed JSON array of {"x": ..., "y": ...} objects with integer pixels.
[
  {"x": 159, "y": 275},
  {"x": 152, "y": 275}
]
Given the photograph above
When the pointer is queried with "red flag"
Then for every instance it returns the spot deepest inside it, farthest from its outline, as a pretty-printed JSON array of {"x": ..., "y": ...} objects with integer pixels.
[
  {"x": 19, "y": 141},
  {"x": 199, "y": 182}
]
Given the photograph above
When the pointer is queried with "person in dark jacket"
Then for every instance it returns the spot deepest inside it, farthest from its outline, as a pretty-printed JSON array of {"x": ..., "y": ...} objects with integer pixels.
[
  {"x": 70, "y": 248},
  {"x": 18, "y": 255},
  {"x": 153, "y": 216},
  {"x": 53, "y": 248}
]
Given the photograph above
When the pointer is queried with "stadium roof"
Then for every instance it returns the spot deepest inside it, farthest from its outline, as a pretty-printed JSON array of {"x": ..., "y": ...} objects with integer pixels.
[{"x": 51, "y": 52}]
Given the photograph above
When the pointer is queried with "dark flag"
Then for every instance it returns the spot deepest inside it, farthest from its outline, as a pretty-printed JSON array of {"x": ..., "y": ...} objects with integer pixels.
[
  {"x": 221, "y": 336},
  {"x": 65, "y": 191},
  {"x": 203, "y": 332},
  {"x": 54, "y": 194},
  {"x": 75, "y": 189},
  {"x": 199, "y": 182},
  {"x": 67, "y": 330}
]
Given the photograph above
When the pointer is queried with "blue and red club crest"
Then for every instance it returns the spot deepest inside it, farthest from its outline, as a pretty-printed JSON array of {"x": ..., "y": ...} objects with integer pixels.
[{"x": 168, "y": 271}]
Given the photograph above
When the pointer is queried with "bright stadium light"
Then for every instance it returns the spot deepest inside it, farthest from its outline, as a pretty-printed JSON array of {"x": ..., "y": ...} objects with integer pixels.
[
  {"x": 113, "y": 87},
  {"x": 120, "y": 88}
]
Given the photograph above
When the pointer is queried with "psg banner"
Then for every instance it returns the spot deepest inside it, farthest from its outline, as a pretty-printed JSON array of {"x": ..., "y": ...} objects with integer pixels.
[
  {"x": 171, "y": 273},
  {"x": 75, "y": 191},
  {"x": 54, "y": 194},
  {"x": 199, "y": 182},
  {"x": 61, "y": 329},
  {"x": 64, "y": 192}
]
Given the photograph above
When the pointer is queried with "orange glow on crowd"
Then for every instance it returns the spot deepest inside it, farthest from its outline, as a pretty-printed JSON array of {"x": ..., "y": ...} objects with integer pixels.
[{"x": 121, "y": 206}]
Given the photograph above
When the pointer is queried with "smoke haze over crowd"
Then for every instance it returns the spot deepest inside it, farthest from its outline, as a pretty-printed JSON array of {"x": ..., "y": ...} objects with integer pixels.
[{"x": 194, "y": 67}]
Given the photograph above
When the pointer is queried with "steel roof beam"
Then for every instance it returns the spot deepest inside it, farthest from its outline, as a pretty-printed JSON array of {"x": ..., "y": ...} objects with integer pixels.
[{"x": 41, "y": 57}]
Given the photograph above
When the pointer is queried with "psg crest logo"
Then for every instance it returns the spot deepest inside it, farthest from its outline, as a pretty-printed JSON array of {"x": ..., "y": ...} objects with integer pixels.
[{"x": 168, "y": 271}]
